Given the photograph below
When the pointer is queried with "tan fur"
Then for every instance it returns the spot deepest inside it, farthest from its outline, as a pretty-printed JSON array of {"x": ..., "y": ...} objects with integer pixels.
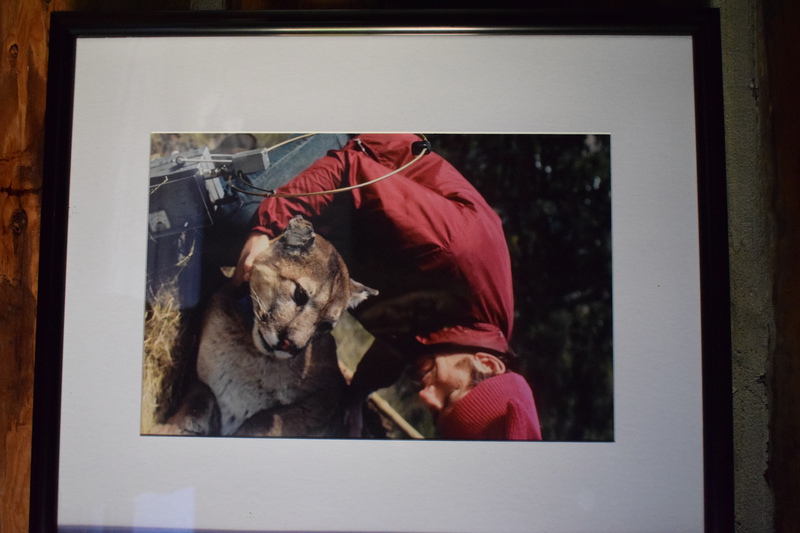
[{"x": 279, "y": 377}]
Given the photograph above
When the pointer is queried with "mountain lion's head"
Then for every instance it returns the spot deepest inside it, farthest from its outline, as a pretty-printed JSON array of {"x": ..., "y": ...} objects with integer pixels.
[{"x": 300, "y": 287}]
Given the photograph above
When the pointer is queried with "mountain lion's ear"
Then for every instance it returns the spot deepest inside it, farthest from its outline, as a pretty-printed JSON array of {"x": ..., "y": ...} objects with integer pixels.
[
  {"x": 298, "y": 236},
  {"x": 359, "y": 293}
]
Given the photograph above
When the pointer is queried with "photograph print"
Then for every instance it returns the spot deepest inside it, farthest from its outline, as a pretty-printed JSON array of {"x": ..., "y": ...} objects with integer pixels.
[{"x": 379, "y": 286}]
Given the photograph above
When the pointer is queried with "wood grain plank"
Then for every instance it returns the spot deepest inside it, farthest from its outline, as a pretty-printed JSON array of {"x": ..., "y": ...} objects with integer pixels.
[{"x": 23, "y": 71}]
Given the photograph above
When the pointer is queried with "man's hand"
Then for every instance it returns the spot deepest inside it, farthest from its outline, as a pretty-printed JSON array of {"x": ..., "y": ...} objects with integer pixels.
[{"x": 255, "y": 244}]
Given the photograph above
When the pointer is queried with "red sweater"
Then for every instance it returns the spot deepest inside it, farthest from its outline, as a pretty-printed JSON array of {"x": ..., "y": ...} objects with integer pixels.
[
  {"x": 499, "y": 408},
  {"x": 426, "y": 228}
]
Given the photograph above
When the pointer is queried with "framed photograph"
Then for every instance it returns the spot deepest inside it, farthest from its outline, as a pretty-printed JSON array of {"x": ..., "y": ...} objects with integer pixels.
[{"x": 384, "y": 271}]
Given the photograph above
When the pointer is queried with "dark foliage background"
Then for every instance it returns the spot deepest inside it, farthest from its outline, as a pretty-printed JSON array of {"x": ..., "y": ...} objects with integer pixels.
[{"x": 553, "y": 193}]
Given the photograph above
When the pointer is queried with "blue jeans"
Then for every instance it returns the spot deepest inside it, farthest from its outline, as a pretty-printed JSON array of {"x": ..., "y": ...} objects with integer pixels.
[{"x": 286, "y": 162}]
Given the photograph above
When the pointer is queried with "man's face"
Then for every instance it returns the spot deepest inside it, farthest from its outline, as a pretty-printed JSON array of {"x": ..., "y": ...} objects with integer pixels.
[{"x": 445, "y": 379}]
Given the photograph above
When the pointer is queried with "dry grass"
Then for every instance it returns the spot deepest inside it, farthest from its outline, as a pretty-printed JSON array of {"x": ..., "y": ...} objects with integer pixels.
[{"x": 164, "y": 357}]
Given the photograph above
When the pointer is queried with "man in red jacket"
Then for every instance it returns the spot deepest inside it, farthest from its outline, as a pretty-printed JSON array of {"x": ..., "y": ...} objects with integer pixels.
[{"x": 429, "y": 242}]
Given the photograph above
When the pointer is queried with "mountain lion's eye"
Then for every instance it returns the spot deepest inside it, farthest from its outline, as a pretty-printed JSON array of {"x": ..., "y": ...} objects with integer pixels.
[
  {"x": 324, "y": 327},
  {"x": 300, "y": 296}
]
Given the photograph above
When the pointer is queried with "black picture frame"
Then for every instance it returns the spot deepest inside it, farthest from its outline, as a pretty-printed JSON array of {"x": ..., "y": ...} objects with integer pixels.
[{"x": 701, "y": 25}]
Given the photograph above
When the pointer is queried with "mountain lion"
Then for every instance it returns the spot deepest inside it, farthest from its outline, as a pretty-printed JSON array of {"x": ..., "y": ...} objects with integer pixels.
[{"x": 267, "y": 360}]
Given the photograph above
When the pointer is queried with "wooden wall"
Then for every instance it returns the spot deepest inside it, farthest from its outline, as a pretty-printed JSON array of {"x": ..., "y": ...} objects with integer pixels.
[
  {"x": 23, "y": 27},
  {"x": 23, "y": 59}
]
